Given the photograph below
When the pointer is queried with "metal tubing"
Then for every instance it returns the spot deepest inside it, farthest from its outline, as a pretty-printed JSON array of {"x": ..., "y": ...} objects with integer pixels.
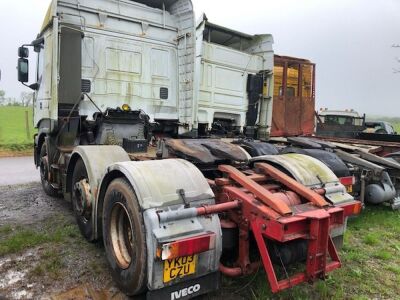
[
  {"x": 217, "y": 208},
  {"x": 231, "y": 272},
  {"x": 362, "y": 192},
  {"x": 173, "y": 215},
  {"x": 185, "y": 213}
]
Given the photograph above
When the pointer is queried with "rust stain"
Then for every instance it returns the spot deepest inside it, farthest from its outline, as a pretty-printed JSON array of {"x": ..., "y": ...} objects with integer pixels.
[{"x": 294, "y": 97}]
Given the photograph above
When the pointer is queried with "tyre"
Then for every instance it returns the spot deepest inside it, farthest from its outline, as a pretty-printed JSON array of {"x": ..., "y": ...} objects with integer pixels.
[
  {"x": 124, "y": 237},
  {"x": 44, "y": 170},
  {"x": 83, "y": 211}
]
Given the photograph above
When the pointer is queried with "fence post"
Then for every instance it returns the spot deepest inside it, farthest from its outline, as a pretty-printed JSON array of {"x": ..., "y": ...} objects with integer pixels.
[{"x": 28, "y": 134}]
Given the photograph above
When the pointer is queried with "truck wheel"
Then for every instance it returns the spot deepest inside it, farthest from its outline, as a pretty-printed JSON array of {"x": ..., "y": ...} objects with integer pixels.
[
  {"x": 80, "y": 202},
  {"x": 44, "y": 171},
  {"x": 124, "y": 237}
]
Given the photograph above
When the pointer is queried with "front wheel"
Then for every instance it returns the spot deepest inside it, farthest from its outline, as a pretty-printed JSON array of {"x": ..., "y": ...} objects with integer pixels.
[
  {"x": 124, "y": 237},
  {"x": 80, "y": 199},
  {"x": 44, "y": 173}
]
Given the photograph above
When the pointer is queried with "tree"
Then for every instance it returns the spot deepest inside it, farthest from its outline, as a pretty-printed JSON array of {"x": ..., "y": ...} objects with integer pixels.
[
  {"x": 2, "y": 97},
  {"x": 26, "y": 98}
]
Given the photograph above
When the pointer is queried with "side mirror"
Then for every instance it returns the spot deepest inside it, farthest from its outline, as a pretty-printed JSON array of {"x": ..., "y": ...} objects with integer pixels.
[
  {"x": 23, "y": 70},
  {"x": 23, "y": 52}
]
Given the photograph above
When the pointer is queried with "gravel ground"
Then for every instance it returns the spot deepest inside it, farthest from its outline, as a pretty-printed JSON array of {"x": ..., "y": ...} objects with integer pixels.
[
  {"x": 66, "y": 267},
  {"x": 60, "y": 266}
]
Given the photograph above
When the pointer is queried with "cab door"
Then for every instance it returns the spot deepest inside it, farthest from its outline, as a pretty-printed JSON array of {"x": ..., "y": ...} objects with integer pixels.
[{"x": 43, "y": 96}]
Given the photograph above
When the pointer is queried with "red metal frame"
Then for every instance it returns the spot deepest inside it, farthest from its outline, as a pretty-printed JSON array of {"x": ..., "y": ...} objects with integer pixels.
[{"x": 251, "y": 202}]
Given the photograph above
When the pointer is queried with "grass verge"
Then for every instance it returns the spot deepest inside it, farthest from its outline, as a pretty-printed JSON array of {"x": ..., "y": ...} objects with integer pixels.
[
  {"x": 370, "y": 265},
  {"x": 17, "y": 239},
  {"x": 370, "y": 260},
  {"x": 16, "y": 133}
]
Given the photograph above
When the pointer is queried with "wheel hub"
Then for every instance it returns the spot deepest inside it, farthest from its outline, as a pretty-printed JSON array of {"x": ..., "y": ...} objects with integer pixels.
[
  {"x": 44, "y": 169},
  {"x": 83, "y": 196},
  {"x": 121, "y": 235}
]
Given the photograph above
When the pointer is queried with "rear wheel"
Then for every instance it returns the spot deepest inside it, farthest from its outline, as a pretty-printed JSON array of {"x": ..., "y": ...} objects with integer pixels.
[
  {"x": 80, "y": 197},
  {"x": 124, "y": 237},
  {"x": 44, "y": 173}
]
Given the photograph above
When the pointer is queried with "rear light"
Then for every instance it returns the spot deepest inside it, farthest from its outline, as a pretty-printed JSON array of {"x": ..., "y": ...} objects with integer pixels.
[
  {"x": 349, "y": 180},
  {"x": 357, "y": 208},
  {"x": 186, "y": 247},
  {"x": 352, "y": 209}
]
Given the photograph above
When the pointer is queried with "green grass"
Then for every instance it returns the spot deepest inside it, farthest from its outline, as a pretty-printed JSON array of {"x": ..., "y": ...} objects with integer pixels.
[
  {"x": 52, "y": 237},
  {"x": 50, "y": 264},
  {"x": 370, "y": 259},
  {"x": 13, "y": 133},
  {"x": 13, "y": 240},
  {"x": 396, "y": 127}
]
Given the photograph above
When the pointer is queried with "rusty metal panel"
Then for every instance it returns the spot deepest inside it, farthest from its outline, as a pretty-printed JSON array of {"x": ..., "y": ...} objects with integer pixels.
[
  {"x": 294, "y": 97},
  {"x": 206, "y": 151}
]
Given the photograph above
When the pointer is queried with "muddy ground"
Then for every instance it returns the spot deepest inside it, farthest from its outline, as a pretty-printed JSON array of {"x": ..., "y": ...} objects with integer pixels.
[{"x": 42, "y": 254}]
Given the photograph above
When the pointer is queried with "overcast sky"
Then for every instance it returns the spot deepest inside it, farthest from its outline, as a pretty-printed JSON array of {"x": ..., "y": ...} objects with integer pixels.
[{"x": 349, "y": 40}]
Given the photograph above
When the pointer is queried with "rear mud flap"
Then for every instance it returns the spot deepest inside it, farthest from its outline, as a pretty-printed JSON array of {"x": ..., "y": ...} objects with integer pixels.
[{"x": 188, "y": 289}]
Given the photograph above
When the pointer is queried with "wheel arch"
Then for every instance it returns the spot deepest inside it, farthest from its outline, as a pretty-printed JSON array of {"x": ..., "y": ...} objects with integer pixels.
[
  {"x": 151, "y": 182},
  {"x": 40, "y": 141},
  {"x": 305, "y": 169},
  {"x": 157, "y": 185},
  {"x": 310, "y": 172},
  {"x": 97, "y": 160}
]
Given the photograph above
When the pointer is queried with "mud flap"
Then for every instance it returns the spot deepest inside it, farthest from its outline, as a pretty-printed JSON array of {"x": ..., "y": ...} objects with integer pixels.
[{"x": 188, "y": 289}]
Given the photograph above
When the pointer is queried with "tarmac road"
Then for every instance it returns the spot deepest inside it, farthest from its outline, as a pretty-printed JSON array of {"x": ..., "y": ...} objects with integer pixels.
[{"x": 18, "y": 170}]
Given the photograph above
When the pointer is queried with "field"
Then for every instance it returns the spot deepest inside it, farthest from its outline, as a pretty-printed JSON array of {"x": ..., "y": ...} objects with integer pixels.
[
  {"x": 13, "y": 132},
  {"x": 396, "y": 127}
]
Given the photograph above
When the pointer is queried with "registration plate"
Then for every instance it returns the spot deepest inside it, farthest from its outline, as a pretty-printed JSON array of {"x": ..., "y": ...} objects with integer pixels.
[
  {"x": 179, "y": 267},
  {"x": 349, "y": 188}
]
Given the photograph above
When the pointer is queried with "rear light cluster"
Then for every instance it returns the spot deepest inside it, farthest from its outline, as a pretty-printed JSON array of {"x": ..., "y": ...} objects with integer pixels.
[
  {"x": 186, "y": 247},
  {"x": 346, "y": 181},
  {"x": 352, "y": 209}
]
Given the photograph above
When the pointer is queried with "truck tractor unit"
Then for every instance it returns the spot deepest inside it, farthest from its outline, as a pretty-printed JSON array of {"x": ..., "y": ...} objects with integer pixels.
[
  {"x": 116, "y": 78},
  {"x": 350, "y": 124}
]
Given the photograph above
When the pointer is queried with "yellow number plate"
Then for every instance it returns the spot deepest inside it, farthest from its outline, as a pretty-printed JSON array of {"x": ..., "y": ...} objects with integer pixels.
[
  {"x": 349, "y": 188},
  {"x": 179, "y": 267}
]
